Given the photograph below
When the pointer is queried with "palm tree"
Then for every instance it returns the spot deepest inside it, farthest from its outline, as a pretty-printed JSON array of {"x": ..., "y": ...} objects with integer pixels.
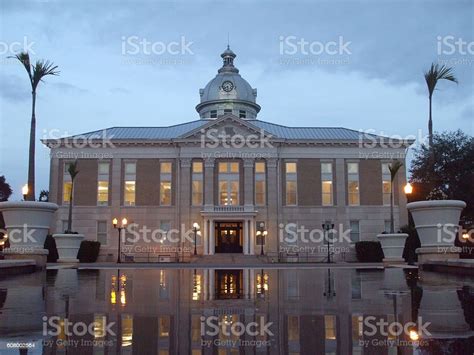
[
  {"x": 72, "y": 170},
  {"x": 432, "y": 77},
  {"x": 394, "y": 167},
  {"x": 36, "y": 73}
]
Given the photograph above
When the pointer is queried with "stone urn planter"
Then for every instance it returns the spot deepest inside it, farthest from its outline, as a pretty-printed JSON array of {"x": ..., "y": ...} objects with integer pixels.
[
  {"x": 68, "y": 246},
  {"x": 392, "y": 246},
  {"x": 437, "y": 223},
  {"x": 27, "y": 224}
]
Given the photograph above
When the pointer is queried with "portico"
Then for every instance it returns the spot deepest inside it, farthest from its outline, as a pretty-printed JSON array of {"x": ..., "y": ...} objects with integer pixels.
[{"x": 222, "y": 222}]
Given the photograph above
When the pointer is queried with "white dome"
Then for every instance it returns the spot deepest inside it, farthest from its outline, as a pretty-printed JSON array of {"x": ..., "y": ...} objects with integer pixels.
[{"x": 228, "y": 91}]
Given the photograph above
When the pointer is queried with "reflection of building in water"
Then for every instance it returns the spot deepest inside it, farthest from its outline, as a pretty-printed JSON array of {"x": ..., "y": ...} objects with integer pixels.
[{"x": 176, "y": 311}]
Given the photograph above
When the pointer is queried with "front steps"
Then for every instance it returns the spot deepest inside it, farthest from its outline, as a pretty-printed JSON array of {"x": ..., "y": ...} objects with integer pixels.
[{"x": 229, "y": 259}]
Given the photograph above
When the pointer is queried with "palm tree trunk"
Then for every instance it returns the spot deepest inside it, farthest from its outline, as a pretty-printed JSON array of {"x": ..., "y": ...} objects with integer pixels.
[
  {"x": 392, "y": 224},
  {"x": 69, "y": 218},
  {"x": 31, "y": 156},
  {"x": 430, "y": 126}
]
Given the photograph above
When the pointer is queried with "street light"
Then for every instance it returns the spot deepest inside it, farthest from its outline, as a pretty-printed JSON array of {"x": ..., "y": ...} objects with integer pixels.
[
  {"x": 196, "y": 231},
  {"x": 408, "y": 189},
  {"x": 119, "y": 228},
  {"x": 261, "y": 234},
  {"x": 327, "y": 227},
  {"x": 24, "y": 191}
]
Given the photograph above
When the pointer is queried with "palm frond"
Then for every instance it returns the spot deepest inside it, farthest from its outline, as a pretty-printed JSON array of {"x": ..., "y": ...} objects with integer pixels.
[
  {"x": 24, "y": 58},
  {"x": 394, "y": 167},
  {"x": 72, "y": 170},
  {"x": 41, "y": 69},
  {"x": 436, "y": 73}
]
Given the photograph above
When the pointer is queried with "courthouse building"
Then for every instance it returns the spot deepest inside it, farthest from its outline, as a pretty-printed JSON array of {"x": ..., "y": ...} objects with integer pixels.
[{"x": 232, "y": 174}]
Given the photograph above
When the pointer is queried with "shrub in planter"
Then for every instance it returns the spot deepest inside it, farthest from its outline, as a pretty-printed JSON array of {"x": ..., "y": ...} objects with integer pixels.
[
  {"x": 50, "y": 245},
  {"x": 411, "y": 244},
  {"x": 369, "y": 252},
  {"x": 88, "y": 251}
]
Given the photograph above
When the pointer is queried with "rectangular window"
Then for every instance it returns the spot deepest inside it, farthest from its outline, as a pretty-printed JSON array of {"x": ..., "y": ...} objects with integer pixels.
[
  {"x": 129, "y": 184},
  {"x": 386, "y": 183},
  {"x": 242, "y": 114},
  {"x": 102, "y": 232},
  {"x": 103, "y": 184},
  {"x": 355, "y": 231},
  {"x": 165, "y": 183},
  {"x": 197, "y": 183},
  {"x": 227, "y": 110},
  {"x": 327, "y": 184},
  {"x": 330, "y": 327},
  {"x": 229, "y": 183},
  {"x": 67, "y": 184},
  {"x": 213, "y": 114},
  {"x": 260, "y": 184},
  {"x": 353, "y": 184},
  {"x": 291, "y": 188}
]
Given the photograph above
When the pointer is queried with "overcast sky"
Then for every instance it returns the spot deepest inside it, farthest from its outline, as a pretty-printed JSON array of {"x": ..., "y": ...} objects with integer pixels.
[{"x": 374, "y": 81}]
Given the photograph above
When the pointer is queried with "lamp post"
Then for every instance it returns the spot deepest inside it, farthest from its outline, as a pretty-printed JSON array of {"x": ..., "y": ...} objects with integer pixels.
[
  {"x": 196, "y": 231},
  {"x": 119, "y": 228},
  {"x": 261, "y": 234},
  {"x": 327, "y": 227},
  {"x": 24, "y": 191}
]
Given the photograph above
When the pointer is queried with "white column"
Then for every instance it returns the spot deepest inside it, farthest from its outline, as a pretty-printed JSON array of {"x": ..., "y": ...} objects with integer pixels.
[
  {"x": 252, "y": 236},
  {"x": 211, "y": 284},
  {"x": 205, "y": 284},
  {"x": 205, "y": 237},
  {"x": 246, "y": 281},
  {"x": 252, "y": 284},
  {"x": 246, "y": 238},
  {"x": 212, "y": 240}
]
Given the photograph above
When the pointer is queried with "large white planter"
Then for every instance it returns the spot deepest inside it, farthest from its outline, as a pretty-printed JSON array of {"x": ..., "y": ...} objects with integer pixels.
[
  {"x": 27, "y": 223},
  {"x": 437, "y": 223},
  {"x": 68, "y": 246},
  {"x": 392, "y": 246}
]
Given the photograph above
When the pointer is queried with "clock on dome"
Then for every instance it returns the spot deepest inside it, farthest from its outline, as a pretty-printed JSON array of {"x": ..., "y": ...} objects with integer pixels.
[{"x": 227, "y": 86}]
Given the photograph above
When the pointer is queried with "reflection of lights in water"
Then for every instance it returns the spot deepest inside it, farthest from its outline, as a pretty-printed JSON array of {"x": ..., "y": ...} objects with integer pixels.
[
  {"x": 113, "y": 297},
  {"x": 121, "y": 290},
  {"x": 127, "y": 330},
  {"x": 99, "y": 326},
  {"x": 227, "y": 319},
  {"x": 262, "y": 283},
  {"x": 123, "y": 298},
  {"x": 162, "y": 279},
  {"x": 196, "y": 287},
  {"x": 414, "y": 335}
]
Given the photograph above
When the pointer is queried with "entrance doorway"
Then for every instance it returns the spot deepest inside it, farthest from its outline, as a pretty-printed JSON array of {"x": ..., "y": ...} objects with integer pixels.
[
  {"x": 228, "y": 237},
  {"x": 228, "y": 284}
]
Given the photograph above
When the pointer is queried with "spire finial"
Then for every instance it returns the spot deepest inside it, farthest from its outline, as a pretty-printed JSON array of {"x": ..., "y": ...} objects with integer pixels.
[{"x": 228, "y": 40}]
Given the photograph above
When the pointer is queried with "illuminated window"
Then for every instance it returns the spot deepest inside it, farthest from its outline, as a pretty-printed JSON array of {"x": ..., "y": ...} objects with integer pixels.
[
  {"x": 260, "y": 184},
  {"x": 386, "y": 183},
  {"x": 327, "y": 183},
  {"x": 165, "y": 183},
  {"x": 197, "y": 183},
  {"x": 291, "y": 185},
  {"x": 129, "y": 184},
  {"x": 353, "y": 183},
  {"x": 67, "y": 184},
  {"x": 229, "y": 183},
  {"x": 103, "y": 184}
]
